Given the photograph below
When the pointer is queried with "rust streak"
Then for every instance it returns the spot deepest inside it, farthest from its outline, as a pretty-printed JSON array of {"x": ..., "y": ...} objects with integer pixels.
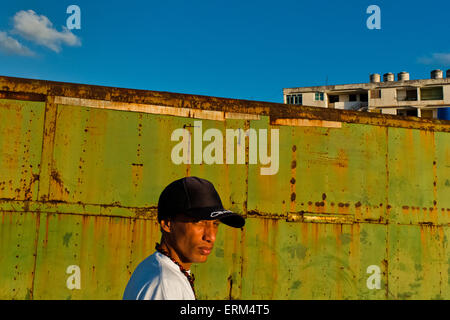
[{"x": 293, "y": 181}]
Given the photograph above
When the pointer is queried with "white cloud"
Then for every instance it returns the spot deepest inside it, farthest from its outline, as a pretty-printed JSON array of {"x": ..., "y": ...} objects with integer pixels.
[
  {"x": 10, "y": 45},
  {"x": 436, "y": 58},
  {"x": 39, "y": 29}
]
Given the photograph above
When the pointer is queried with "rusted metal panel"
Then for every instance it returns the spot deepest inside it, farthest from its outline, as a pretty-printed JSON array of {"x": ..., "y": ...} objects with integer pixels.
[
  {"x": 18, "y": 254},
  {"x": 418, "y": 262},
  {"x": 412, "y": 176},
  {"x": 104, "y": 157},
  {"x": 441, "y": 175},
  {"x": 354, "y": 195},
  {"x": 21, "y": 128},
  {"x": 336, "y": 171},
  {"x": 311, "y": 261},
  {"x": 109, "y": 157},
  {"x": 104, "y": 248}
]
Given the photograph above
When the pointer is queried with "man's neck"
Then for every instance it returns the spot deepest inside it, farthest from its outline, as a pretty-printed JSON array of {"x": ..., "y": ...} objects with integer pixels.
[{"x": 173, "y": 253}]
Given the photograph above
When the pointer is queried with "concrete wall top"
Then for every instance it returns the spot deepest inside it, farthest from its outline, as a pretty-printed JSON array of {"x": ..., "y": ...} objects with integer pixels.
[{"x": 190, "y": 105}]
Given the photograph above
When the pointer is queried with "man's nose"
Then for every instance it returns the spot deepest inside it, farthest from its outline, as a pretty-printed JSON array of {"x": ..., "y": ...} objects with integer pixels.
[{"x": 209, "y": 232}]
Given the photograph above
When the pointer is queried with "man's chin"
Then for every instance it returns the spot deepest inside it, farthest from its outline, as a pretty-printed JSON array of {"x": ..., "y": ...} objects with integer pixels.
[{"x": 201, "y": 258}]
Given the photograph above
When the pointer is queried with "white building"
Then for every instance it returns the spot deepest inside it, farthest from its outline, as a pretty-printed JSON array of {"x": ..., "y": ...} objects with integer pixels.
[{"x": 427, "y": 98}]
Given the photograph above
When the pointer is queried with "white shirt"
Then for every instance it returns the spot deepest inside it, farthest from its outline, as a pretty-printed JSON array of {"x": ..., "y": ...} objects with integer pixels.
[{"x": 158, "y": 278}]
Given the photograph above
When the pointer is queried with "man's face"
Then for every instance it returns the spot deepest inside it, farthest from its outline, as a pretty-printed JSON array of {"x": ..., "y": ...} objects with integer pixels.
[{"x": 192, "y": 239}]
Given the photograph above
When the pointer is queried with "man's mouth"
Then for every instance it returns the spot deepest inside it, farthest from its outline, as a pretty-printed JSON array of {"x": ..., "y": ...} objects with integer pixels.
[{"x": 205, "y": 250}]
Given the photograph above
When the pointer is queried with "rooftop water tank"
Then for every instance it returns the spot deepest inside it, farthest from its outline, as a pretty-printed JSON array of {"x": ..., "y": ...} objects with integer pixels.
[
  {"x": 402, "y": 76},
  {"x": 375, "y": 77},
  {"x": 388, "y": 77},
  {"x": 436, "y": 74}
]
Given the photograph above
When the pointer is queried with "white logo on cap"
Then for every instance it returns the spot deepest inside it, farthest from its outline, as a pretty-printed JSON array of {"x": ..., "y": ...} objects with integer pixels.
[{"x": 219, "y": 213}]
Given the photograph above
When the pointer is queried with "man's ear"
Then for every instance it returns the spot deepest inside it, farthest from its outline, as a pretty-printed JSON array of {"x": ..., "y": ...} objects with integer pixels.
[{"x": 166, "y": 225}]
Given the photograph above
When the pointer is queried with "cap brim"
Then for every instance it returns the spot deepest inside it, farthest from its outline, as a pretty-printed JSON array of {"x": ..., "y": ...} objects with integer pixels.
[
  {"x": 233, "y": 220},
  {"x": 225, "y": 216}
]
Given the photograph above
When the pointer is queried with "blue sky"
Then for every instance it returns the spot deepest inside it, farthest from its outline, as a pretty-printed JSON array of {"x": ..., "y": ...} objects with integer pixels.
[{"x": 234, "y": 49}]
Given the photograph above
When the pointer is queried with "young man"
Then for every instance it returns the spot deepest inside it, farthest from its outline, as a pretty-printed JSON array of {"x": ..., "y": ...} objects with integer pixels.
[{"x": 189, "y": 211}]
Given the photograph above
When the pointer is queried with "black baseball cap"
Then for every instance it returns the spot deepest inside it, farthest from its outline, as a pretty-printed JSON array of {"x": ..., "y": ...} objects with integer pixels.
[{"x": 196, "y": 198}]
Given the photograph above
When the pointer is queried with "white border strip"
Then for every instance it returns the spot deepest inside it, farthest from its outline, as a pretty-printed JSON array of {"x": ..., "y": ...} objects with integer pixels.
[
  {"x": 308, "y": 123},
  {"x": 154, "y": 109}
]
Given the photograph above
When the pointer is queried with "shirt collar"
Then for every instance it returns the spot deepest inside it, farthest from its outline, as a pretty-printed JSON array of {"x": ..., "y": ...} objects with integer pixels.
[{"x": 172, "y": 264}]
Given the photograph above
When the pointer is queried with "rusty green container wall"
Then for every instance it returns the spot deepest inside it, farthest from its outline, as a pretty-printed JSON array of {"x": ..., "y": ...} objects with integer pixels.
[{"x": 82, "y": 168}]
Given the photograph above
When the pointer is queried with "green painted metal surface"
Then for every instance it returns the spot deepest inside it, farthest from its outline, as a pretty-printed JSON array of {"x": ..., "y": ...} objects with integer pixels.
[{"x": 79, "y": 186}]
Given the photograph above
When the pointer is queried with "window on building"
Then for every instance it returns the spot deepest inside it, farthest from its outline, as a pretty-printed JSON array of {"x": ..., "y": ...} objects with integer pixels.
[
  {"x": 411, "y": 95},
  {"x": 352, "y": 97},
  {"x": 363, "y": 97},
  {"x": 433, "y": 93},
  {"x": 375, "y": 94},
  {"x": 333, "y": 98},
  {"x": 294, "y": 99},
  {"x": 407, "y": 94},
  {"x": 319, "y": 96},
  {"x": 289, "y": 99}
]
